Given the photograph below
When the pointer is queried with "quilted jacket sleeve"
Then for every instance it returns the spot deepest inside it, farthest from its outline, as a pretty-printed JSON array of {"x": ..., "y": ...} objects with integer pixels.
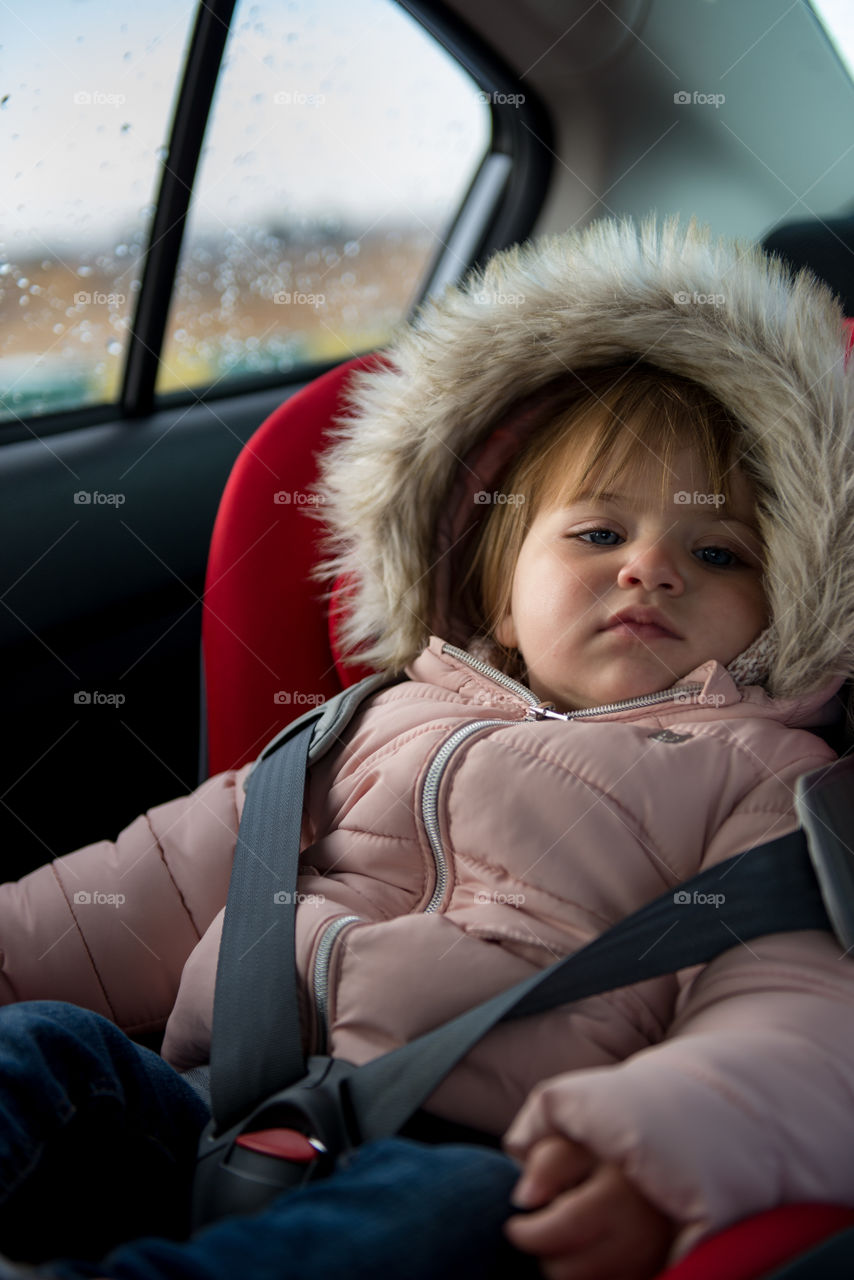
[
  {"x": 110, "y": 926},
  {"x": 748, "y": 1102}
]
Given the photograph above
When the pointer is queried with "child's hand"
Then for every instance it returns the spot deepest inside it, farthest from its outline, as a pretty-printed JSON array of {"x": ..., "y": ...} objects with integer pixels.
[{"x": 597, "y": 1225}]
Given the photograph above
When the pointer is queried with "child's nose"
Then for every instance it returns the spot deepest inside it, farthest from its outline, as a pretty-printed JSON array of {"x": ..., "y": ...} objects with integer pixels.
[{"x": 653, "y": 568}]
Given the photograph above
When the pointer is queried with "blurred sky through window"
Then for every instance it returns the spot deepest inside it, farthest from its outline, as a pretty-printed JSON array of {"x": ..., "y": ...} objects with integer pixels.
[
  {"x": 87, "y": 90},
  {"x": 341, "y": 142}
]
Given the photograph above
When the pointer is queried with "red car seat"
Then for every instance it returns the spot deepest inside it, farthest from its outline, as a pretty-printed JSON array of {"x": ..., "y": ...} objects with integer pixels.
[
  {"x": 268, "y": 636},
  {"x": 270, "y": 651}
]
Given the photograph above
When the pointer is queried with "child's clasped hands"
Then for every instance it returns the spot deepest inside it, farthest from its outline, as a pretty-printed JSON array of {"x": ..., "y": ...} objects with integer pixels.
[{"x": 584, "y": 1219}]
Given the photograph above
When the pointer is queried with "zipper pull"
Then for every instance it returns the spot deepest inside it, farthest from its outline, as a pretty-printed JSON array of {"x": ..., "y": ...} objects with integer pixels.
[{"x": 545, "y": 711}]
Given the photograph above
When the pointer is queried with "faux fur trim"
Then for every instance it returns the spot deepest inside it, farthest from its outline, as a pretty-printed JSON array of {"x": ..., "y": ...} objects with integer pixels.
[
  {"x": 755, "y": 663},
  {"x": 769, "y": 346}
]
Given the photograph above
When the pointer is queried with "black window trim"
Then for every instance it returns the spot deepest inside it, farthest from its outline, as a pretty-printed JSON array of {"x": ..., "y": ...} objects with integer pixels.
[{"x": 160, "y": 264}]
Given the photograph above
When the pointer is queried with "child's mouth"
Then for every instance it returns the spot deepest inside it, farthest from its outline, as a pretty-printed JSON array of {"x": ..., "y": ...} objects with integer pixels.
[
  {"x": 640, "y": 622},
  {"x": 640, "y": 631}
]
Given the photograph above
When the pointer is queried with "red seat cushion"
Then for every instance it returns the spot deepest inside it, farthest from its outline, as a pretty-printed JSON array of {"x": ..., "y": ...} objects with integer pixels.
[
  {"x": 265, "y": 631},
  {"x": 757, "y": 1246}
]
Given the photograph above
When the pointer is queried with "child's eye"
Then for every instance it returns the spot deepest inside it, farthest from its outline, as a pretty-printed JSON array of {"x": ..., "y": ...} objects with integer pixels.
[
  {"x": 717, "y": 556},
  {"x": 594, "y": 534}
]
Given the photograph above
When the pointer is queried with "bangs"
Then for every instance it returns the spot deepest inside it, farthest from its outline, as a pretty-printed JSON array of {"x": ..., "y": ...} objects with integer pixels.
[{"x": 634, "y": 426}]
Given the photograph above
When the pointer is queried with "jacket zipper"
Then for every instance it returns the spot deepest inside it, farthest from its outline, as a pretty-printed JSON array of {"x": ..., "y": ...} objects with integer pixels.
[
  {"x": 546, "y": 710},
  {"x": 320, "y": 984},
  {"x": 542, "y": 711},
  {"x": 537, "y": 710},
  {"x": 430, "y": 800}
]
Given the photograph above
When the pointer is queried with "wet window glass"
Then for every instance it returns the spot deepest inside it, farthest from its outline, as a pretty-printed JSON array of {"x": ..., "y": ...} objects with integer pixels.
[
  {"x": 86, "y": 95},
  {"x": 341, "y": 144}
]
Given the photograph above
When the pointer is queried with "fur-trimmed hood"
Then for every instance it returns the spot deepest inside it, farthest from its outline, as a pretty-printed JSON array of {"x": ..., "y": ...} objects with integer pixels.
[{"x": 430, "y": 428}]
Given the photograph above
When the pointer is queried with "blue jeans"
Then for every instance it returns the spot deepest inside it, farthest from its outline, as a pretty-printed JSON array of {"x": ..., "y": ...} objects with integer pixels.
[{"x": 97, "y": 1146}]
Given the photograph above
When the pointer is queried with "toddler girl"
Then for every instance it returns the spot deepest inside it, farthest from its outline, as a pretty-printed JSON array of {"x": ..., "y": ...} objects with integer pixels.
[{"x": 597, "y": 508}]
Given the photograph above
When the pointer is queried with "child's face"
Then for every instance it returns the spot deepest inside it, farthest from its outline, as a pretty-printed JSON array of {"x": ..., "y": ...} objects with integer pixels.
[{"x": 582, "y": 564}]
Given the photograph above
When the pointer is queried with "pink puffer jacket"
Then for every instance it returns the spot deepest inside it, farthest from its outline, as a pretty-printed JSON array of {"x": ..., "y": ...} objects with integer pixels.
[{"x": 432, "y": 880}]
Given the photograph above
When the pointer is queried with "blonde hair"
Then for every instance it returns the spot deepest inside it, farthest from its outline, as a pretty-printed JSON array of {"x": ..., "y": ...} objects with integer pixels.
[{"x": 614, "y": 418}]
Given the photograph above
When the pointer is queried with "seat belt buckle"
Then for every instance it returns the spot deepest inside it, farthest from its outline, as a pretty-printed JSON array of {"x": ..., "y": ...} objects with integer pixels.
[
  {"x": 270, "y": 1161},
  {"x": 291, "y": 1138},
  {"x": 283, "y": 1144},
  {"x": 241, "y": 1172}
]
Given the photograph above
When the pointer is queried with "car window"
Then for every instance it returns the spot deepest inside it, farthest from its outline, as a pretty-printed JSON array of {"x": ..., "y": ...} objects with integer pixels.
[
  {"x": 341, "y": 144},
  {"x": 85, "y": 105}
]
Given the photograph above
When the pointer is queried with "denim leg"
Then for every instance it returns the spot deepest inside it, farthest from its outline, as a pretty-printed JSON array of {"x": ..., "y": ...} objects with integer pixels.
[
  {"x": 397, "y": 1209},
  {"x": 98, "y": 1135}
]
